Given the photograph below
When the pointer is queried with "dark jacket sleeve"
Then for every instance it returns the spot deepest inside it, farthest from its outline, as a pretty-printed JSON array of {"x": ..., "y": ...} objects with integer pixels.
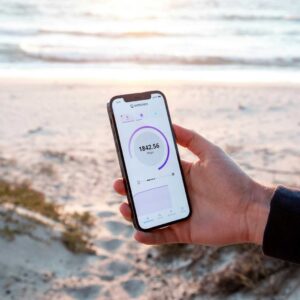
[{"x": 282, "y": 232}]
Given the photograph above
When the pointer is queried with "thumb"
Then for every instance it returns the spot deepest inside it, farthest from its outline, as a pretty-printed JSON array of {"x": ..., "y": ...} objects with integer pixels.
[{"x": 192, "y": 140}]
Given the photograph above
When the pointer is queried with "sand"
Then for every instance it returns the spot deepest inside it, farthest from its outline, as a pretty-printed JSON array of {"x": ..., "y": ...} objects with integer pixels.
[{"x": 56, "y": 135}]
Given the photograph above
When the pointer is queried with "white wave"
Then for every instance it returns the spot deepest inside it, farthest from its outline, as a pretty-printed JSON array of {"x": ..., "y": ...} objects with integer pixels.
[{"x": 68, "y": 54}]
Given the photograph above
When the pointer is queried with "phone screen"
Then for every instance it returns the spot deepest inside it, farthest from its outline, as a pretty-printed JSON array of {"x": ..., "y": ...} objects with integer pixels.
[{"x": 151, "y": 160}]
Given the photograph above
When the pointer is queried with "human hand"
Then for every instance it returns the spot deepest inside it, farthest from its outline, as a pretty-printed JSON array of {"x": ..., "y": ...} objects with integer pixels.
[{"x": 228, "y": 207}]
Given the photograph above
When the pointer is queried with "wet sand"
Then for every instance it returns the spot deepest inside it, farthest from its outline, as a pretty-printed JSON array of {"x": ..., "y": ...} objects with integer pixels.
[{"x": 56, "y": 135}]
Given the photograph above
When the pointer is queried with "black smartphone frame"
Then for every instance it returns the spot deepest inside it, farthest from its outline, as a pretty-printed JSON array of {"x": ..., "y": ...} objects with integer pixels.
[{"x": 137, "y": 97}]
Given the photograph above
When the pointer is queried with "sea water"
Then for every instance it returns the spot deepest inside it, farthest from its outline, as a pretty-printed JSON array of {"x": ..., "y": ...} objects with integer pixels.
[{"x": 179, "y": 36}]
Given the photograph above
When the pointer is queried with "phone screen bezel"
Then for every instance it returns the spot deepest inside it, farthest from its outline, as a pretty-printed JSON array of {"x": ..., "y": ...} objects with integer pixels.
[{"x": 138, "y": 97}]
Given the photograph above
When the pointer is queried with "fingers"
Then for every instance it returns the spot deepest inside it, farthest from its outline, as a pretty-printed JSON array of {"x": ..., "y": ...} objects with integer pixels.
[
  {"x": 158, "y": 237},
  {"x": 119, "y": 186},
  {"x": 125, "y": 210},
  {"x": 186, "y": 167},
  {"x": 192, "y": 140}
]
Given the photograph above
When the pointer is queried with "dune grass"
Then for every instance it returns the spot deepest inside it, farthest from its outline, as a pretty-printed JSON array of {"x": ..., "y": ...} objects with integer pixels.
[
  {"x": 76, "y": 235},
  {"x": 24, "y": 196}
]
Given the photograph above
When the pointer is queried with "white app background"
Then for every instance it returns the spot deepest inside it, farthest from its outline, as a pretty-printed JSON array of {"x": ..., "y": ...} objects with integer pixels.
[{"x": 151, "y": 162}]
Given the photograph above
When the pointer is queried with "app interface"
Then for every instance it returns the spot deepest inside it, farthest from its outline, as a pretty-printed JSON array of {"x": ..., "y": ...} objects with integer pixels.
[{"x": 151, "y": 161}]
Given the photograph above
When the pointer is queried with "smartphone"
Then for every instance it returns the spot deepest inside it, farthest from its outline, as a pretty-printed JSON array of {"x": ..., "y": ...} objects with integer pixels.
[{"x": 149, "y": 159}]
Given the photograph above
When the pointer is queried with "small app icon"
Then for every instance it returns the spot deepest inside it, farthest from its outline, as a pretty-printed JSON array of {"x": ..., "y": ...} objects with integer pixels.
[
  {"x": 126, "y": 118},
  {"x": 140, "y": 116}
]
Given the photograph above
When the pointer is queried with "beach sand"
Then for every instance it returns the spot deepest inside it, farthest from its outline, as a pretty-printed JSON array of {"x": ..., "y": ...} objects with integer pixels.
[{"x": 56, "y": 135}]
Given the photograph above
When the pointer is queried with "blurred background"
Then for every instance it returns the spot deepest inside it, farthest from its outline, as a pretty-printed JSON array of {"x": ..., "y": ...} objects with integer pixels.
[
  {"x": 181, "y": 36},
  {"x": 230, "y": 70}
]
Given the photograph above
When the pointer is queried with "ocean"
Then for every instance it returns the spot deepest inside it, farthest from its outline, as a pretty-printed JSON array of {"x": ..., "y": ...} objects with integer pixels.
[{"x": 182, "y": 37}]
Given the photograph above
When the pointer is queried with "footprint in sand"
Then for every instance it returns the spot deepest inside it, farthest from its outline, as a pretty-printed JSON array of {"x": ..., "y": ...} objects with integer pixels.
[
  {"x": 118, "y": 268},
  {"x": 117, "y": 228},
  {"x": 86, "y": 292},
  {"x": 110, "y": 245},
  {"x": 134, "y": 287},
  {"x": 105, "y": 214}
]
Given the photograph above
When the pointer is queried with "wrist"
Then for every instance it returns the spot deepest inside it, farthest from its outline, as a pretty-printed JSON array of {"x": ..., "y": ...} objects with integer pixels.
[{"x": 258, "y": 212}]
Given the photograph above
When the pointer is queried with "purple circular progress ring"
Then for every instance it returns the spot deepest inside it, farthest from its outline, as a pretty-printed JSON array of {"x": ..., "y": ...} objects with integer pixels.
[{"x": 156, "y": 129}]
